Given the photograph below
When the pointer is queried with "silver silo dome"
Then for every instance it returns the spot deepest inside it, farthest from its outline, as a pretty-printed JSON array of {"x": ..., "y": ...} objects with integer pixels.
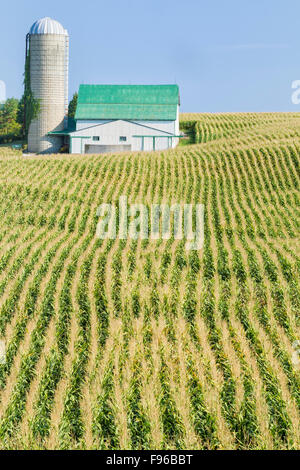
[{"x": 48, "y": 49}]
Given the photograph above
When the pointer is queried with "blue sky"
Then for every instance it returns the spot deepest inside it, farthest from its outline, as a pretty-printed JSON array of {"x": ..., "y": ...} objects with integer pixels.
[{"x": 226, "y": 55}]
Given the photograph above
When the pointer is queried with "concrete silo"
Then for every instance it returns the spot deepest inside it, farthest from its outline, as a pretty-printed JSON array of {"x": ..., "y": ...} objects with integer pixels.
[{"x": 47, "y": 49}]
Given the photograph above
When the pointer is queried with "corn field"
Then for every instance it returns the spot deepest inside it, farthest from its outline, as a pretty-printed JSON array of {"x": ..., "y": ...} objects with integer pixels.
[{"x": 141, "y": 344}]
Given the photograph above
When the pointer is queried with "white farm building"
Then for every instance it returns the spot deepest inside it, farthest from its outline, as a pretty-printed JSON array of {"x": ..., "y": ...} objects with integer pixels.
[{"x": 115, "y": 118}]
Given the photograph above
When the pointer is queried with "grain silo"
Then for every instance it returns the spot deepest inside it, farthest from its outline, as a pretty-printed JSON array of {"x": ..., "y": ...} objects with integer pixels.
[{"x": 47, "y": 50}]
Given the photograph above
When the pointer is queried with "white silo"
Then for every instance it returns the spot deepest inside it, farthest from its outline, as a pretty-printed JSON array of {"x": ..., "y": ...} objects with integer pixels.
[{"x": 47, "y": 49}]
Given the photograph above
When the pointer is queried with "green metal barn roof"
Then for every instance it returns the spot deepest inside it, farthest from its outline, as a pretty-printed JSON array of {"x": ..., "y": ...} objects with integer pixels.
[{"x": 143, "y": 102}]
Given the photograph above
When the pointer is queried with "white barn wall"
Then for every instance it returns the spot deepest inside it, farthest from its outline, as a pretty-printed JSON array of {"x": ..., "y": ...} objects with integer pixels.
[
  {"x": 166, "y": 126},
  {"x": 176, "y": 130},
  {"x": 83, "y": 124},
  {"x": 110, "y": 133}
]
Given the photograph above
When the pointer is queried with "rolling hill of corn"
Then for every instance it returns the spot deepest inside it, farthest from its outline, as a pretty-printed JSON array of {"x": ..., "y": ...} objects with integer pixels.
[{"x": 140, "y": 344}]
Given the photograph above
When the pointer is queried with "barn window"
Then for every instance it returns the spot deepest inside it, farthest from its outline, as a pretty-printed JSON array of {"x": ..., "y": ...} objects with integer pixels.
[
  {"x": 123, "y": 138},
  {"x": 96, "y": 137}
]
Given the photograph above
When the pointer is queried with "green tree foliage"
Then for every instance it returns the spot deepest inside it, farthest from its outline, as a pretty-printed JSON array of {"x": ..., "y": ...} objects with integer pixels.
[
  {"x": 10, "y": 128},
  {"x": 73, "y": 106},
  {"x": 29, "y": 106},
  {"x": 20, "y": 114}
]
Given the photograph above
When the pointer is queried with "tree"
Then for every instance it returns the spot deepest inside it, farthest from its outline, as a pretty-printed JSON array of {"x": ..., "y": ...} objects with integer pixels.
[
  {"x": 29, "y": 106},
  {"x": 10, "y": 129},
  {"x": 73, "y": 106},
  {"x": 20, "y": 114}
]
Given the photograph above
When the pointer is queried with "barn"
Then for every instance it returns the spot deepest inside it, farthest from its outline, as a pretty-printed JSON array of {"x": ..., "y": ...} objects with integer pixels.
[{"x": 116, "y": 118}]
